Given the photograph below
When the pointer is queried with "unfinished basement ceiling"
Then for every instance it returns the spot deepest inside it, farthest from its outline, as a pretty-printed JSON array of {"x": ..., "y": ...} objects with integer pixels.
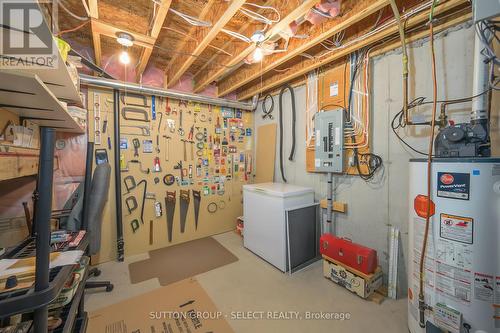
[{"x": 168, "y": 49}]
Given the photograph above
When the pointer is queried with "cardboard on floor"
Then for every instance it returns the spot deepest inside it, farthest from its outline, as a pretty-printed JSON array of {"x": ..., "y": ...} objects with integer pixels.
[{"x": 180, "y": 307}]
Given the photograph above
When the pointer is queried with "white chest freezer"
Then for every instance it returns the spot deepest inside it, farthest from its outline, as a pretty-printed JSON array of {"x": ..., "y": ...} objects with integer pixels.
[{"x": 266, "y": 207}]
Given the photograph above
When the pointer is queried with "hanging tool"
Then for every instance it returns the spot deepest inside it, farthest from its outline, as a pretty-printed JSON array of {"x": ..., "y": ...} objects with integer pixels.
[
  {"x": 145, "y": 182},
  {"x": 196, "y": 200},
  {"x": 128, "y": 113},
  {"x": 191, "y": 132},
  {"x": 158, "y": 133},
  {"x": 134, "y": 95},
  {"x": 146, "y": 171},
  {"x": 281, "y": 143},
  {"x": 137, "y": 144},
  {"x": 178, "y": 166},
  {"x": 169, "y": 179},
  {"x": 97, "y": 119},
  {"x": 157, "y": 148},
  {"x": 167, "y": 108},
  {"x": 167, "y": 151},
  {"x": 171, "y": 125},
  {"x": 156, "y": 164},
  {"x": 158, "y": 210},
  {"x": 131, "y": 203},
  {"x": 130, "y": 184},
  {"x": 212, "y": 207},
  {"x": 135, "y": 225},
  {"x": 180, "y": 130},
  {"x": 105, "y": 123},
  {"x": 153, "y": 107},
  {"x": 170, "y": 200},
  {"x": 147, "y": 146},
  {"x": 150, "y": 232},
  {"x": 184, "y": 203},
  {"x": 145, "y": 131},
  {"x": 159, "y": 122},
  {"x": 185, "y": 153}
]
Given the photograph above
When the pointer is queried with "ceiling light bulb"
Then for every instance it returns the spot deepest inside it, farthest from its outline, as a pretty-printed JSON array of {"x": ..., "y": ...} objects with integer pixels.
[
  {"x": 258, "y": 54},
  {"x": 124, "y": 58},
  {"x": 124, "y": 39},
  {"x": 258, "y": 36}
]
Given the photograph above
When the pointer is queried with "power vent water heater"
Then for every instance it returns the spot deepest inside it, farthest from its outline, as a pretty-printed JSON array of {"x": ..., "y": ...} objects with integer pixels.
[{"x": 462, "y": 262}]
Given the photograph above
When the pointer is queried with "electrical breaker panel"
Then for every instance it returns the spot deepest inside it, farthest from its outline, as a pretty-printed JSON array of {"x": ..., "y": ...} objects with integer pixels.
[{"x": 329, "y": 154}]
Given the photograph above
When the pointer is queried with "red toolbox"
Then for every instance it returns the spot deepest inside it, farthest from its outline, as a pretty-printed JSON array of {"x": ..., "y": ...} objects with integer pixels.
[{"x": 351, "y": 254}]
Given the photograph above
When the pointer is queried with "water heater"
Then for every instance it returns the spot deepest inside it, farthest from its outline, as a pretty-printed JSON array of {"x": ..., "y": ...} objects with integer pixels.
[{"x": 462, "y": 262}]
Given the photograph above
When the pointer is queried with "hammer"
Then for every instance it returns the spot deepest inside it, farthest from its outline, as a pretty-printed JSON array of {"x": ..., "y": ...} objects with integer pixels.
[
  {"x": 185, "y": 155},
  {"x": 167, "y": 151}
]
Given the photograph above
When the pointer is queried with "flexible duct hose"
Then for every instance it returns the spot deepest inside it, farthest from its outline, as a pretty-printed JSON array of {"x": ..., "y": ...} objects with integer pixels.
[{"x": 294, "y": 116}]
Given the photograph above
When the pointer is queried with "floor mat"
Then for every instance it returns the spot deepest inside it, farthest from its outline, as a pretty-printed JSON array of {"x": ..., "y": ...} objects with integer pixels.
[
  {"x": 168, "y": 309},
  {"x": 181, "y": 261}
]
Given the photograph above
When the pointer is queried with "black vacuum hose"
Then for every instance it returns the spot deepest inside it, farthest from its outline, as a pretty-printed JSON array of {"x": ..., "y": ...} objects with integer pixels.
[{"x": 294, "y": 119}]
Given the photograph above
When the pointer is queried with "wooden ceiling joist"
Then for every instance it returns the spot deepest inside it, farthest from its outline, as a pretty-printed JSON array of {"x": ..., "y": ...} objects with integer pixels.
[
  {"x": 96, "y": 37},
  {"x": 207, "y": 77},
  {"x": 307, "y": 65},
  {"x": 110, "y": 30},
  {"x": 318, "y": 34},
  {"x": 192, "y": 50},
  {"x": 155, "y": 32}
]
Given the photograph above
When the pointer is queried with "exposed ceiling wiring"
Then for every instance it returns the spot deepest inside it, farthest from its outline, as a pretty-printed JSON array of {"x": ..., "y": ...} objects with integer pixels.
[
  {"x": 259, "y": 17},
  {"x": 194, "y": 39},
  {"x": 66, "y": 9},
  {"x": 335, "y": 42},
  {"x": 237, "y": 35},
  {"x": 378, "y": 29},
  {"x": 191, "y": 55},
  {"x": 191, "y": 20},
  {"x": 60, "y": 33}
]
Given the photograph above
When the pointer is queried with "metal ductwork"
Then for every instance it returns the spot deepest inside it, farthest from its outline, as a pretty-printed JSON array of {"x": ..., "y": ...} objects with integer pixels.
[{"x": 148, "y": 90}]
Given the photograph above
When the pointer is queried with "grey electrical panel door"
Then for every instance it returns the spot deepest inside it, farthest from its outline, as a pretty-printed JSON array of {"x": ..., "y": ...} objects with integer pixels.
[{"x": 329, "y": 132}]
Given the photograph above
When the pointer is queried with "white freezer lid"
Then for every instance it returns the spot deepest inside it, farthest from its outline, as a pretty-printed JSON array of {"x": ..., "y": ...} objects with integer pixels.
[{"x": 278, "y": 189}]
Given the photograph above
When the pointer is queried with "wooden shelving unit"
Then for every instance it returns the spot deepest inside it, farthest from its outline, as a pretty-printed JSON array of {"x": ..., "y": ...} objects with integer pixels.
[
  {"x": 57, "y": 77},
  {"x": 26, "y": 95}
]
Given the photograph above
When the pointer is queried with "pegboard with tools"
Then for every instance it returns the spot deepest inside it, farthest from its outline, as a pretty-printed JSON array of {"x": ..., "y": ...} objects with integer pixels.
[{"x": 182, "y": 166}]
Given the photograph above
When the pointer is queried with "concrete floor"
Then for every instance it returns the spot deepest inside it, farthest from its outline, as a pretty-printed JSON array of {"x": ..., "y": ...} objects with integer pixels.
[{"x": 251, "y": 284}]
